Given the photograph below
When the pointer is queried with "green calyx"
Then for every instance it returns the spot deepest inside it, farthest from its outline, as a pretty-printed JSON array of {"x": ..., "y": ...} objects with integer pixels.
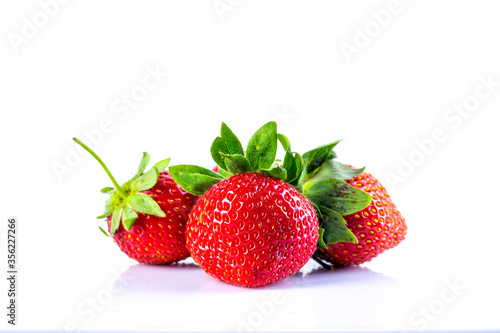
[
  {"x": 315, "y": 174},
  {"x": 322, "y": 181},
  {"x": 126, "y": 201},
  {"x": 227, "y": 152}
]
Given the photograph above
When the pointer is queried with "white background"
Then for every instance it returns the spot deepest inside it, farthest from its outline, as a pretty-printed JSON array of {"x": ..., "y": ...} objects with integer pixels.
[{"x": 254, "y": 62}]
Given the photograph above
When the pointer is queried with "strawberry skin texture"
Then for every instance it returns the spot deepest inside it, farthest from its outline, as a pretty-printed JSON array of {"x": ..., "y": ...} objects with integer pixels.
[
  {"x": 252, "y": 230},
  {"x": 378, "y": 227},
  {"x": 159, "y": 240}
]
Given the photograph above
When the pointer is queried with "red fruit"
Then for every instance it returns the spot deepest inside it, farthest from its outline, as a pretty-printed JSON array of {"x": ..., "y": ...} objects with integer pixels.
[
  {"x": 256, "y": 222},
  {"x": 159, "y": 240},
  {"x": 252, "y": 230},
  {"x": 147, "y": 215},
  {"x": 378, "y": 227}
]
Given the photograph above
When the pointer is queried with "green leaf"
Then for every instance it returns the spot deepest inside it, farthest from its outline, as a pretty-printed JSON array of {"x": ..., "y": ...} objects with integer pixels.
[
  {"x": 106, "y": 213},
  {"x": 192, "y": 169},
  {"x": 107, "y": 190},
  {"x": 290, "y": 165},
  {"x": 194, "y": 179},
  {"x": 236, "y": 163},
  {"x": 321, "y": 241},
  {"x": 143, "y": 203},
  {"x": 333, "y": 169},
  {"x": 232, "y": 143},
  {"x": 285, "y": 142},
  {"x": 314, "y": 158},
  {"x": 227, "y": 144},
  {"x": 219, "y": 147},
  {"x": 142, "y": 165},
  {"x": 332, "y": 155},
  {"x": 128, "y": 217},
  {"x": 300, "y": 165},
  {"x": 146, "y": 181},
  {"x": 198, "y": 184},
  {"x": 301, "y": 170},
  {"x": 335, "y": 227},
  {"x": 104, "y": 232},
  {"x": 224, "y": 173},
  {"x": 115, "y": 219},
  {"x": 289, "y": 162},
  {"x": 162, "y": 165},
  {"x": 108, "y": 208},
  {"x": 337, "y": 195},
  {"x": 262, "y": 147},
  {"x": 318, "y": 212},
  {"x": 275, "y": 171}
]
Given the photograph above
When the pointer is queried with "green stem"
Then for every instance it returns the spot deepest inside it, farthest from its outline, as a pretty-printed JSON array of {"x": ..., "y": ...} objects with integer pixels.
[{"x": 117, "y": 187}]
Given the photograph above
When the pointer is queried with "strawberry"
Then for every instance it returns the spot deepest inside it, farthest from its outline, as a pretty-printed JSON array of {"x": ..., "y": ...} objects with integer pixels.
[
  {"x": 252, "y": 230},
  {"x": 256, "y": 222},
  {"x": 147, "y": 215},
  {"x": 377, "y": 228}
]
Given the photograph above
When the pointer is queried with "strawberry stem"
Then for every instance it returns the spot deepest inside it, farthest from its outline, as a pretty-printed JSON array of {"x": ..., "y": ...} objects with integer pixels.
[{"x": 117, "y": 187}]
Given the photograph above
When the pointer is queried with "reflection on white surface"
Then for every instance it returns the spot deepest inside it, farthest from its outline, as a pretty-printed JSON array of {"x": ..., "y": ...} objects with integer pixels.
[
  {"x": 185, "y": 276},
  {"x": 314, "y": 297}
]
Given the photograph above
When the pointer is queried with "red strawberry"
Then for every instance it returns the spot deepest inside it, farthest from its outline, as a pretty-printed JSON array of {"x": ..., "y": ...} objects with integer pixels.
[
  {"x": 253, "y": 226},
  {"x": 252, "y": 230},
  {"x": 377, "y": 228},
  {"x": 159, "y": 240},
  {"x": 147, "y": 215}
]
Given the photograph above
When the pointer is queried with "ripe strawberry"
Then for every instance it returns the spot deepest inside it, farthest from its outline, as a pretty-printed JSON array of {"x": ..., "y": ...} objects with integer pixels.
[
  {"x": 378, "y": 227},
  {"x": 256, "y": 222},
  {"x": 154, "y": 239},
  {"x": 252, "y": 230},
  {"x": 147, "y": 215}
]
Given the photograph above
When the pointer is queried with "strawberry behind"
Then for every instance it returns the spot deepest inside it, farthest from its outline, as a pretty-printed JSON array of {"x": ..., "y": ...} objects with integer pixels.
[
  {"x": 378, "y": 227},
  {"x": 147, "y": 215},
  {"x": 159, "y": 240}
]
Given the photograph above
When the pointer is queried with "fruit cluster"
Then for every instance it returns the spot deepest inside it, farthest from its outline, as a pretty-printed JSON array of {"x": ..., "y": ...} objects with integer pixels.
[{"x": 253, "y": 220}]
